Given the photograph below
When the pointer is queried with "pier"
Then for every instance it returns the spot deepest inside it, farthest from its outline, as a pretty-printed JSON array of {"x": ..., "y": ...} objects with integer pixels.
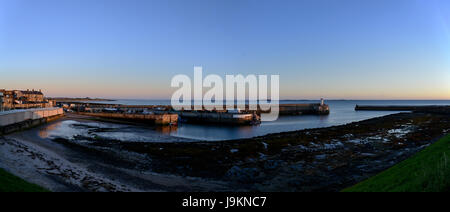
[
  {"x": 157, "y": 119},
  {"x": 304, "y": 109},
  {"x": 414, "y": 108},
  {"x": 220, "y": 117}
]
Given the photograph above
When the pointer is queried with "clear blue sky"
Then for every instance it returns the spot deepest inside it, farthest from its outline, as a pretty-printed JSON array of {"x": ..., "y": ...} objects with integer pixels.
[{"x": 353, "y": 49}]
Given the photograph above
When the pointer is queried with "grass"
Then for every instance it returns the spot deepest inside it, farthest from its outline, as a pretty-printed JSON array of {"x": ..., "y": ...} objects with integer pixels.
[
  {"x": 11, "y": 183},
  {"x": 427, "y": 171}
]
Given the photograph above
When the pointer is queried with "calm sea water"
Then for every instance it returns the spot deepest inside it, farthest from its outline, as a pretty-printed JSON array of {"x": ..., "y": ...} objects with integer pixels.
[{"x": 342, "y": 112}]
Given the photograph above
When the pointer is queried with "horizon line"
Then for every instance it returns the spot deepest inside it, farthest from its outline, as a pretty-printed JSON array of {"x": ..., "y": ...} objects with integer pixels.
[{"x": 300, "y": 99}]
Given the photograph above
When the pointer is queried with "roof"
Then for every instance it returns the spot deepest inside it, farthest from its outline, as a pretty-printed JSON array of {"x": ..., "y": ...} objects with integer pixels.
[{"x": 32, "y": 92}]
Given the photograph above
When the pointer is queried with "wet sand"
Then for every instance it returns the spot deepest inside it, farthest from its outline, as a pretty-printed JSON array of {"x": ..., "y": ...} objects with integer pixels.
[
  {"x": 325, "y": 159},
  {"x": 58, "y": 167}
]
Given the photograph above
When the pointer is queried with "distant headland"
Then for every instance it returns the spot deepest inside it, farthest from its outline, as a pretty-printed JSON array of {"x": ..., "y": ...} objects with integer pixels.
[{"x": 85, "y": 99}]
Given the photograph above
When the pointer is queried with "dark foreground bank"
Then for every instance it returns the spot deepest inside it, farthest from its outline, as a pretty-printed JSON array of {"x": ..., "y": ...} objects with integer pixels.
[
  {"x": 11, "y": 183},
  {"x": 427, "y": 171}
]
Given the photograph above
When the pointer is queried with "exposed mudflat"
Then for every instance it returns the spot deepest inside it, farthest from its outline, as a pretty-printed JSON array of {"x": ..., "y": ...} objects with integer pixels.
[
  {"x": 34, "y": 156},
  {"x": 104, "y": 158},
  {"x": 325, "y": 159}
]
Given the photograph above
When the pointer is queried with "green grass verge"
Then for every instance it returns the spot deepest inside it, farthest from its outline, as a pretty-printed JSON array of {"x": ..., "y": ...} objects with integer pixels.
[
  {"x": 427, "y": 171},
  {"x": 11, "y": 183}
]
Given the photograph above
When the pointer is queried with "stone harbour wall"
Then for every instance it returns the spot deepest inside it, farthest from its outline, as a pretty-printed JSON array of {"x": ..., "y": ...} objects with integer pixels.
[{"x": 15, "y": 120}]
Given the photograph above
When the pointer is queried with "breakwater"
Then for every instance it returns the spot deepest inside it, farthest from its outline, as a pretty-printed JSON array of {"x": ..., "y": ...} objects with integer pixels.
[
  {"x": 220, "y": 117},
  {"x": 415, "y": 108},
  {"x": 303, "y": 109},
  {"x": 16, "y": 120},
  {"x": 157, "y": 119}
]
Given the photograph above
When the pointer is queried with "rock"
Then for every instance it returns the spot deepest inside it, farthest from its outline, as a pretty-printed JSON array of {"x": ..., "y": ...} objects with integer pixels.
[
  {"x": 321, "y": 157},
  {"x": 297, "y": 167},
  {"x": 272, "y": 164},
  {"x": 243, "y": 175},
  {"x": 368, "y": 155}
]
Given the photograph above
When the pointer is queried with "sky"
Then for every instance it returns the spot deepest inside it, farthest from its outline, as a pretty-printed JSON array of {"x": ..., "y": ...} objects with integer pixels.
[{"x": 131, "y": 49}]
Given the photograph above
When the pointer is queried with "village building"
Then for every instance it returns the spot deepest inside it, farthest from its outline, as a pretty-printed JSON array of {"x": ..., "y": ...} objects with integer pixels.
[
  {"x": 7, "y": 100},
  {"x": 30, "y": 96},
  {"x": 1, "y": 101},
  {"x": 17, "y": 99}
]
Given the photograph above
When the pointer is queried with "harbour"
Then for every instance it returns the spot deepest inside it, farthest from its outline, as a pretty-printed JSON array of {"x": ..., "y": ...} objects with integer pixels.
[
  {"x": 167, "y": 115},
  {"x": 351, "y": 152},
  {"x": 223, "y": 154},
  {"x": 227, "y": 125},
  {"x": 341, "y": 112}
]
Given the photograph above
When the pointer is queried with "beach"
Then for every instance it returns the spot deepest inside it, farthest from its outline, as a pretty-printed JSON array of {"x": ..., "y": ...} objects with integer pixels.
[{"x": 66, "y": 167}]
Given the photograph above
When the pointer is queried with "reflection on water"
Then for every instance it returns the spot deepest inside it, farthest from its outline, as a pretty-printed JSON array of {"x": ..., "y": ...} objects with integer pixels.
[
  {"x": 44, "y": 133},
  {"x": 166, "y": 130}
]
